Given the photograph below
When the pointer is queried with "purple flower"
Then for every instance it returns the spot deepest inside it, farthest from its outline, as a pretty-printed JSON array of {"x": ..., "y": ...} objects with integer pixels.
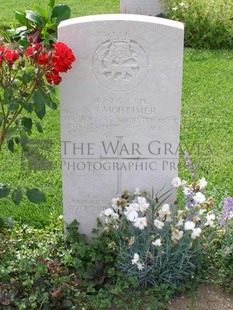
[
  {"x": 227, "y": 211},
  {"x": 189, "y": 164}
]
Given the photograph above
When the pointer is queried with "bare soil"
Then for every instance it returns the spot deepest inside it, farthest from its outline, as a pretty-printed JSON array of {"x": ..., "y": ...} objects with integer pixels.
[{"x": 207, "y": 297}]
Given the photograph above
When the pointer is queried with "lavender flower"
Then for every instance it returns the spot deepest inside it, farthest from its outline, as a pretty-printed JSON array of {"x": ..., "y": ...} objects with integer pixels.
[
  {"x": 189, "y": 165},
  {"x": 227, "y": 211}
]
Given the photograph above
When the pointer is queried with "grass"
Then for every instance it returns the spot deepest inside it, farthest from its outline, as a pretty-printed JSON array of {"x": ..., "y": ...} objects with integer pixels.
[
  {"x": 206, "y": 128},
  {"x": 79, "y": 7}
]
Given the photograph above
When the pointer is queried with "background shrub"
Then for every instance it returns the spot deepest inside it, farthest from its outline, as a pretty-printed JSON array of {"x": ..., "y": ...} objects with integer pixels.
[
  {"x": 220, "y": 257},
  {"x": 208, "y": 23}
]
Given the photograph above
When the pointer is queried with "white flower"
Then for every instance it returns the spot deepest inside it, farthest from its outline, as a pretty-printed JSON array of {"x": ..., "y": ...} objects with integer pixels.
[
  {"x": 135, "y": 259},
  {"x": 202, "y": 183},
  {"x": 183, "y": 183},
  {"x": 141, "y": 200},
  {"x": 199, "y": 198},
  {"x": 158, "y": 224},
  {"x": 157, "y": 242},
  {"x": 176, "y": 182},
  {"x": 209, "y": 219},
  {"x": 142, "y": 204},
  {"x": 196, "y": 233},
  {"x": 177, "y": 234},
  {"x": 109, "y": 212},
  {"x": 189, "y": 225},
  {"x": 60, "y": 217},
  {"x": 114, "y": 203},
  {"x": 130, "y": 213},
  {"x": 144, "y": 207},
  {"x": 187, "y": 191},
  {"x": 165, "y": 211},
  {"x": 110, "y": 215},
  {"x": 201, "y": 211},
  {"x": 181, "y": 4},
  {"x": 180, "y": 222},
  {"x": 135, "y": 206},
  {"x": 140, "y": 266},
  {"x": 140, "y": 222}
]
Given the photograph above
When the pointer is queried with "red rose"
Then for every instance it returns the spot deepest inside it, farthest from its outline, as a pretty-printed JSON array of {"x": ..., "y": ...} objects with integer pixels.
[
  {"x": 32, "y": 50},
  {"x": 63, "y": 57},
  {"x": 2, "y": 49},
  {"x": 43, "y": 58},
  {"x": 10, "y": 56},
  {"x": 53, "y": 77}
]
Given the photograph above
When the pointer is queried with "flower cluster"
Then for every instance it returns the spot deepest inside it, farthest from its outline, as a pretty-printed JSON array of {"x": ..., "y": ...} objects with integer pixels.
[
  {"x": 10, "y": 56},
  {"x": 227, "y": 211},
  {"x": 27, "y": 80},
  {"x": 54, "y": 61},
  {"x": 50, "y": 62},
  {"x": 137, "y": 213}
]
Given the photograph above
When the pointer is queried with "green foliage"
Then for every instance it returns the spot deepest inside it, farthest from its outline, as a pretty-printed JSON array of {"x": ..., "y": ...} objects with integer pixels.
[
  {"x": 34, "y": 195},
  {"x": 208, "y": 24},
  {"x": 27, "y": 79},
  {"x": 220, "y": 257},
  {"x": 31, "y": 270},
  {"x": 171, "y": 264},
  {"x": 45, "y": 269},
  {"x": 39, "y": 24}
]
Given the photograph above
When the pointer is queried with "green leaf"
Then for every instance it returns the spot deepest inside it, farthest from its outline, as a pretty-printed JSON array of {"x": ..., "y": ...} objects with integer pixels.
[
  {"x": 10, "y": 145},
  {"x": 17, "y": 195},
  {"x": 39, "y": 99},
  {"x": 39, "y": 127},
  {"x": 11, "y": 131},
  {"x": 28, "y": 74},
  {"x": 43, "y": 13},
  {"x": 27, "y": 122},
  {"x": 20, "y": 16},
  {"x": 13, "y": 106},
  {"x": 35, "y": 195},
  {"x": 4, "y": 190},
  {"x": 52, "y": 104},
  {"x": 36, "y": 18},
  {"x": 61, "y": 12},
  {"x": 53, "y": 95},
  {"x": 8, "y": 93},
  {"x": 51, "y": 3},
  {"x": 27, "y": 106},
  {"x": 41, "y": 113}
]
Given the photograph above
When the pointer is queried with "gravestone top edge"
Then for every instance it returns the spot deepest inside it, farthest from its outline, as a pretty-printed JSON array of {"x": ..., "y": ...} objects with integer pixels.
[{"x": 121, "y": 17}]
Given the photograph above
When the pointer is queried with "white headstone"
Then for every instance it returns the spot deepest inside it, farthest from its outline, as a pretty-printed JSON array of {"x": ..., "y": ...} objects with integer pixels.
[
  {"x": 141, "y": 7},
  {"x": 120, "y": 110}
]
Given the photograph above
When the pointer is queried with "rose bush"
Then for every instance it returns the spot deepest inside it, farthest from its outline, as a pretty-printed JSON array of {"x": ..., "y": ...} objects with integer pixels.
[{"x": 30, "y": 67}]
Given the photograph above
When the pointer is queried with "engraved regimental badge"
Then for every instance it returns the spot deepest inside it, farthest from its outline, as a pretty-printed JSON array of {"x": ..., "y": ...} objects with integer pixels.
[{"x": 120, "y": 64}]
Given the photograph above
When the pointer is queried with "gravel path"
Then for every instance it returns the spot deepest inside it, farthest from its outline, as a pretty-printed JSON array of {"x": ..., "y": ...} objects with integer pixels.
[{"x": 207, "y": 297}]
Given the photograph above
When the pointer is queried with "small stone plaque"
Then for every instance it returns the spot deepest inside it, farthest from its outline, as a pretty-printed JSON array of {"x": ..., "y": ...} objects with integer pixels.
[{"x": 141, "y": 7}]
